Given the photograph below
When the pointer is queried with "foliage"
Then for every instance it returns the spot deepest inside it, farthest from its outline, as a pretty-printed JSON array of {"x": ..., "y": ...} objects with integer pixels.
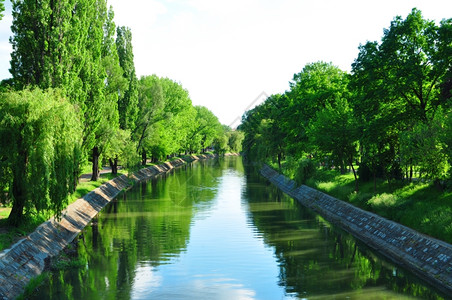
[
  {"x": 305, "y": 170},
  {"x": 40, "y": 163},
  {"x": 71, "y": 46},
  {"x": 128, "y": 98},
  {"x": 32, "y": 285},
  {"x": 390, "y": 116}
]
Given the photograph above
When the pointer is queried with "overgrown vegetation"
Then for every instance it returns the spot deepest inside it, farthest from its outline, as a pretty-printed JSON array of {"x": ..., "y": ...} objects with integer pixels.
[
  {"x": 74, "y": 100},
  {"x": 379, "y": 137}
]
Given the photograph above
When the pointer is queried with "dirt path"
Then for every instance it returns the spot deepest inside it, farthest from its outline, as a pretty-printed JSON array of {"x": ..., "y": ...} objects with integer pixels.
[{"x": 87, "y": 176}]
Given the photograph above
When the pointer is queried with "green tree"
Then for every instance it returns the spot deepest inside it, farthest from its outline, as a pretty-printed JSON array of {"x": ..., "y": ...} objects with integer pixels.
[
  {"x": 205, "y": 131},
  {"x": 151, "y": 110},
  {"x": 112, "y": 141},
  {"x": 58, "y": 44},
  {"x": 398, "y": 84},
  {"x": 407, "y": 68},
  {"x": 311, "y": 90},
  {"x": 40, "y": 161},
  {"x": 101, "y": 115},
  {"x": 128, "y": 99},
  {"x": 235, "y": 139},
  {"x": 2, "y": 8},
  {"x": 160, "y": 101},
  {"x": 265, "y": 130},
  {"x": 334, "y": 133}
]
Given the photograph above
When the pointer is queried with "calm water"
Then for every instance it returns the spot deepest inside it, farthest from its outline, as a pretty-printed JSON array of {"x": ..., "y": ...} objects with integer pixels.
[{"x": 217, "y": 230}]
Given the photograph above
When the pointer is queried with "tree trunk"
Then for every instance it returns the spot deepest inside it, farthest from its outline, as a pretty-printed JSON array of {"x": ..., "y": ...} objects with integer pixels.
[
  {"x": 114, "y": 165},
  {"x": 411, "y": 173},
  {"x": 19, "y": 190},
  {"x": 143, "y": 158},
  {"x": 356, "y": 178},
  {"x": 279, "y": 161},
  {"x": 96, "y": 154}
]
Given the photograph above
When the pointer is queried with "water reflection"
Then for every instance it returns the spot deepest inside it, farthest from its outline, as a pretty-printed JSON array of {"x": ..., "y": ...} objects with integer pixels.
[
  {"x": 318, "y": 261},
  {"x": 215, "y": 230}
]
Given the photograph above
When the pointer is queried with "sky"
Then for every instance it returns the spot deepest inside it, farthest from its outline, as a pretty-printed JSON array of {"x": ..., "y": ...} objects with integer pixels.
[{"x": 231, "y": 54}]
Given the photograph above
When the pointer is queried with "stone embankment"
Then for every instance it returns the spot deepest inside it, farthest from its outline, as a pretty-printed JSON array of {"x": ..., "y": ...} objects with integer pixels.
[
  {"x": 429, "y": 258},
  {"x": 26, "y": 259}
]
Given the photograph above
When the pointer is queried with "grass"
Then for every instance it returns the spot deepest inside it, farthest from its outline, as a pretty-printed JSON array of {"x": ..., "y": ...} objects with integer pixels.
[
  {"x": 84, "y": 187},
  {"x": 10, "y": 235},
  {"x": 418, "y": 205},
  {"x": 33, "y": 285}
]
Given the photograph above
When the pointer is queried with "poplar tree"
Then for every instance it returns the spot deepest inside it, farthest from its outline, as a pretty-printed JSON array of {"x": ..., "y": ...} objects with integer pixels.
[
  {"x": 59, "y": 44},
  {"x": 2, "y": 8},
  {"x": 128, "y": 101}
]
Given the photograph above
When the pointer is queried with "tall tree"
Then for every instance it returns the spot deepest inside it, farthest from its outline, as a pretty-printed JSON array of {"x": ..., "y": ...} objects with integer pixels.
[
  {"x": 398, "y": 84},
  {"x": 311, "y": 90},
  {"x": 407, "y": 68},
  {"x": 2, "y": 8},
  {"x": 334, "y": 132},
  {"x": 160, "y": 99},
  {"x": 205, "y": 131},
  {"x": 108, "y": 132},
  {"x": 47, "y": 40},
  {"x": 128, "y": 100},
  {"x": 40, "y": 161},
  {"x": 58, "y": 44},
  {"x": 151, "y": 111}
]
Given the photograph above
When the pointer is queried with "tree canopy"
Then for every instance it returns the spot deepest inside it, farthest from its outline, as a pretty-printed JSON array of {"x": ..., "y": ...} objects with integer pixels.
[
  {"x": 388, "y": 116},
  {"x": 39, "y": 164},
  {"x": 74, "y": 98}
]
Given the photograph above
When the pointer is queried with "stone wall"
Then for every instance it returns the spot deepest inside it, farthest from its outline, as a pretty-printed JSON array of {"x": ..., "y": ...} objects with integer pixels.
[
  {"x": 425, "y": 256},
  {"x": 26, "y": 259}
]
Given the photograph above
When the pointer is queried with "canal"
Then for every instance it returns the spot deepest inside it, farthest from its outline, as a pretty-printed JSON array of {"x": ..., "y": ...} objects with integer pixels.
[{"x": 215, "y": 229}]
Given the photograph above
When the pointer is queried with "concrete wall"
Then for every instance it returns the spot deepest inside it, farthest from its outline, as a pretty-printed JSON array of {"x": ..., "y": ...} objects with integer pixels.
[
  {"x": 25, "y": 259},
  {"x": 429, "y": 258}
]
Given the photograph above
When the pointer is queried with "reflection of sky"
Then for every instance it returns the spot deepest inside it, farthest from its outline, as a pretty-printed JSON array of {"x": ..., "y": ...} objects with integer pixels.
[{"x": 232, "y": 263}]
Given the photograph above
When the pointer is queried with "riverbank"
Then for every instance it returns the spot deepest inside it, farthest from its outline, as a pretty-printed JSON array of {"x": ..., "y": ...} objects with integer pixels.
[
  {"x": 428, "y": 258},
  {"x": 27, "y": 258}
]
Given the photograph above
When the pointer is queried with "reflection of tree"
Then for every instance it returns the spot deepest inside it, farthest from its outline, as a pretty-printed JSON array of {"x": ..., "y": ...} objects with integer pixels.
[
  {"x": 316, "y": 259},
  {"x": 148, "y": 224}
]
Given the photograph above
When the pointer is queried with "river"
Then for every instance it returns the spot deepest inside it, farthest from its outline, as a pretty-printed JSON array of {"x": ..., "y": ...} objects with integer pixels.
[{"x": 215, "y": 229}]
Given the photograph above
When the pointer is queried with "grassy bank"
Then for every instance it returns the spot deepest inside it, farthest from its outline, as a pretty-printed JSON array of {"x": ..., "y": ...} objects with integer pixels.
[
  {"x": 9, "y": 235},
  {"x": 418, "y": 205}
]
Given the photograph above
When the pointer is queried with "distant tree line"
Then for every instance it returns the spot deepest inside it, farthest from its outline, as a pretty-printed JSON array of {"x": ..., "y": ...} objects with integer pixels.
[
  {"x": 387, "y": 119},
  {"x": 74, "y": 98}
]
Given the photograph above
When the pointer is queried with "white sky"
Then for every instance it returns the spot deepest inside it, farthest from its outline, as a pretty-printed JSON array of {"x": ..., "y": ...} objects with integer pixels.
[{"x": 226, "y": 53}]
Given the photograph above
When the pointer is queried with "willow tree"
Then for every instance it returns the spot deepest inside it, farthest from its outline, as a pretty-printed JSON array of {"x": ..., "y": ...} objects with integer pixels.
[{"x": 39, "y": 163}]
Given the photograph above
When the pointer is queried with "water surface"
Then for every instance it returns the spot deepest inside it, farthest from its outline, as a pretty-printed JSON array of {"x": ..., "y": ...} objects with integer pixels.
[{"x": 216, "y": 230}]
